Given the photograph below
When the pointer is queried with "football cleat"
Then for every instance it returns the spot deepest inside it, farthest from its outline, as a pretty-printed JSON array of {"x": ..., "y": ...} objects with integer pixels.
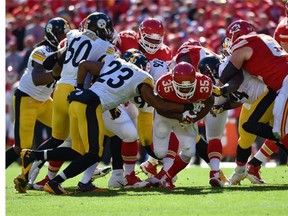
[
  {"x": 254, "y": 174},
  {"x": 40, "y": 184},
  {"x": 116, "y": 180},
  {"x": 100, "y": 172},
  {"x": 224, "y": 178},
  {"x": 156, "y": 180},
  {"x": 148, "y": 168},
  {"x": 20, "y": 183},
  {"x": 54, "y": 187},
  {"x": 89, "y": 187},
  {"x": 215, "y": 180},
  {"x": 238, "y": 175},
  {"x": 166, "y": 182},
  {"x": 132, "y": 181}
]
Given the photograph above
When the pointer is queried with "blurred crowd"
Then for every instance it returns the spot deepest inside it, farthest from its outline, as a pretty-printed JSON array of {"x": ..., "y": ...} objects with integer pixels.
[{"x": 204, "y": 20}]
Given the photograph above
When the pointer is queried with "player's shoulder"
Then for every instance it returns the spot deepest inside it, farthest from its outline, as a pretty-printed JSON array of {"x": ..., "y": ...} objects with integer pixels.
[
  {"x": 40, "y": 53},
  {"x": 164, "y": 53},
  {"x": 204, "y": 87},
  {"x": 73, "y": 33},
  {"x": 128, "y": 34},
  {"x": 245, "y": 40},
  {"x": 165, "y": 49}
]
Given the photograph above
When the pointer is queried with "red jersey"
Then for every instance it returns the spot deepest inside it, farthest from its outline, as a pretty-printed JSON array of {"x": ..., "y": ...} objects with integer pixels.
[
  {"x": 165, "y": 90},
  {"x": 128, "y": 39},
  {"x": 281, "y": 32},
  {"x": 269, "y": 61},
  {"x": 196, "y": 53}
]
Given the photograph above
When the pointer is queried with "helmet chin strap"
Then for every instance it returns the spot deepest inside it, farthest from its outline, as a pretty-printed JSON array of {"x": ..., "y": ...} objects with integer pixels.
[{"x": 55, "y": 38}]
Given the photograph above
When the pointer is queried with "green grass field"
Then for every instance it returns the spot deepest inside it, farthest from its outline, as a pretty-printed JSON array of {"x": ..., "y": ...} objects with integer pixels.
[{"x": 192, "y": 196}]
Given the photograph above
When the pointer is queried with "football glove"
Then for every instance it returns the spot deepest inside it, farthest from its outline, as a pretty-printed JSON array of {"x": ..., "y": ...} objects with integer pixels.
[
  {"x": 217, "y": 109},
  {"x": 115, "y": 113},
  {"x": 216, "y": 91},
  {"x": 188, "y": 120}
]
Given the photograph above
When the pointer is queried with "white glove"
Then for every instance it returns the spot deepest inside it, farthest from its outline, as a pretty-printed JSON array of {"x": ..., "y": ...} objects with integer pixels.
[
  {"x": 198, "y": 107},
  {"x": 188, "y": 119}
]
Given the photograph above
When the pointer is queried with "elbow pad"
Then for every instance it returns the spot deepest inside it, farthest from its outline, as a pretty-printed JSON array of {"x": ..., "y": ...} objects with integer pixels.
[
  {"x": 228, "y": 72},
  {"x": 50, "y": 61}
]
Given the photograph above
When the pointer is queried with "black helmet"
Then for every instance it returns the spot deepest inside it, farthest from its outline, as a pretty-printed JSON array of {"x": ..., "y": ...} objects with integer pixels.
[
  {"x": 101, "y": 25},
  {"x": 209, "y": 66},
  {"x": 139, "y": 60},
  {"x": 127, "y": 55},
  {"x": 53, "y": 28}
]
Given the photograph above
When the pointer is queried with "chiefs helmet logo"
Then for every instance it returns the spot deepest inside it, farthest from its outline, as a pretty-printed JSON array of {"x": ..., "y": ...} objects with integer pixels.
[{"x": 234, "y": 28}]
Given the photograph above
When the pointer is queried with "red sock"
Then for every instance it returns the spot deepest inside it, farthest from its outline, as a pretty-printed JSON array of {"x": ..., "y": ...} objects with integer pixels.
[
  {"x": 176, "y": 167},
  {"x": 129, "y": 151},
  {"x": 173, "y": 146},
  {"x": 269, "y": 147},
  {"x": 215, "y": 149}
]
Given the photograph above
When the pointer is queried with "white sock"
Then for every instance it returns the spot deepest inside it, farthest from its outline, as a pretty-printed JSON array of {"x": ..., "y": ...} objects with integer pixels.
[
  {"x": 117, "y": 172},
  {"x": 128, "y": 169},
  {"x": 88, "y": 173},
  {"x": 63, "y": 176},
  {"x": 167, "y": 163},
  {"x": 260, "y": 156},
  {"x": 215, "y": 164}
]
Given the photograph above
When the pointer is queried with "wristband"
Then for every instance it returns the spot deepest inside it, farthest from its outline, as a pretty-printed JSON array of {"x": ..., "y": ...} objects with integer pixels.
[{"x": 224, "y": 90}]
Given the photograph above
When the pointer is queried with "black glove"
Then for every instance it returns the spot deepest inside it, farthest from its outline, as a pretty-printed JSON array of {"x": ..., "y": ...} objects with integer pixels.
[{"x": 115, "y": 113}]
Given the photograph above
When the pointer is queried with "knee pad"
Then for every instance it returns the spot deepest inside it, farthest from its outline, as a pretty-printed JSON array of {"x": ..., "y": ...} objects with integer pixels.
[
  {"x": 162, "y": 130},
  {"x": 187, "y": 153}
]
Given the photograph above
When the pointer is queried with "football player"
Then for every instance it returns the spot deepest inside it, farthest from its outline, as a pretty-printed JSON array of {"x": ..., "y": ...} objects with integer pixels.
[
  {"x": 183, "y": 85},
  {"x": 193, "y": 52},
  {"x": 92, "y": 43},
  {"x": 261, "y": 56},
  {"x": 32, "y": 99},
  {"x": 149, "y": 40}
]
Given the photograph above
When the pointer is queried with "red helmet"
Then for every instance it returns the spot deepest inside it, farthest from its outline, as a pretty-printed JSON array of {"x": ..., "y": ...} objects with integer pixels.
[
  {"x": 184, "y": 80},
  {"x": 151, "y": 35},
  {"x": 192, "y": 42},
  {"x": 237, "y": 29}
]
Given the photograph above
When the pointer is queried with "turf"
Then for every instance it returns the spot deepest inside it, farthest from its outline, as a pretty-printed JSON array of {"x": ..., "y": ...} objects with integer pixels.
[{"x": 192, "y": 196}]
